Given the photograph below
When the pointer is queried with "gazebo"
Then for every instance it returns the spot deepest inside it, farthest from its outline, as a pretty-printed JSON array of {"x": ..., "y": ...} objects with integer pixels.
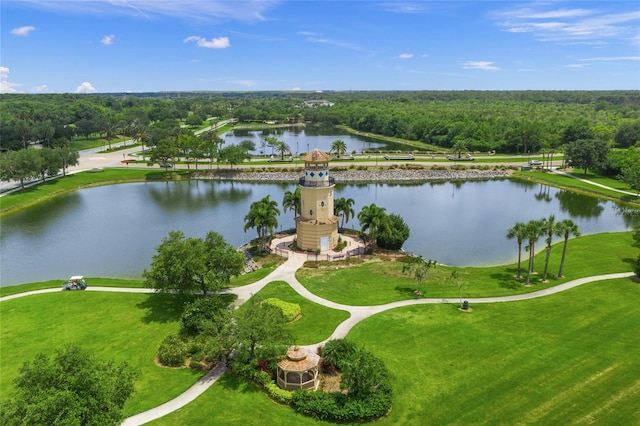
[{"x": 299, "y": 370}]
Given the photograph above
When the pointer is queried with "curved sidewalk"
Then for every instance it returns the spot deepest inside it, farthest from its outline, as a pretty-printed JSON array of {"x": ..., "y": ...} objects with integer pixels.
[{"x": 286, "y": 272}]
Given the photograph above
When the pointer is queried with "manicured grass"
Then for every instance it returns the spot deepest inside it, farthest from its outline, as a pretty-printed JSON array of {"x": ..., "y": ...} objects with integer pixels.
[
  {"x": 62, "y": 185},
  {"x": 569, "y": 358},
  {"x": 114, "y": 326},
  {"x": 233, "y": 401},
  {"x": 375, "y": 283},
  {"x": 317, "y": 322},
  {"x": 579, "y": 186},
  {"x": 92, "y": 282}
]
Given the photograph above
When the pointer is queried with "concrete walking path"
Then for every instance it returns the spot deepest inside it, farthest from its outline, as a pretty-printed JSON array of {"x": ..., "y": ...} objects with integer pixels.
[
  {"x": 286, "y": 272},
  {"x": 558, "y": 172}
]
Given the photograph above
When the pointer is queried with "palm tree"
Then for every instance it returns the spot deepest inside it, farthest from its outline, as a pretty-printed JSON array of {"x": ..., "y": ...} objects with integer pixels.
[
  {"x": 459, "y": 147},
  {"x": 550, "y": 229},
  {"x": 339, "y": 147},
  {"x": 518, "y": 231},
  {"x": 566, "y": 228},
  {"x": 344, "y": 207},
  {"x": 534, "y": 229},
  {"x": 140, "y": 133},
  {"x": 373, "y": 219},
  {"x": 262, "y": 216},
  {"x": 282, "y": 148},
  {"x": 291, "y": 201}
]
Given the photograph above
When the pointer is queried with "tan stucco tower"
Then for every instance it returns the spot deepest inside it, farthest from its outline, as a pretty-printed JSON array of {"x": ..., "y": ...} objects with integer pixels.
[{"x": 317, "y": 226}]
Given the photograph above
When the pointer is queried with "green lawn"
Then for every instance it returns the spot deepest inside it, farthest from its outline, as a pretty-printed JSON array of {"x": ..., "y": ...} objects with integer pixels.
[
  {"x": 582, "y": 187},
  {"x": 115, "y": 326},
  {"x": 62, "y": 185},
  {"x": 571, "y": 358},
  {"x": 375, "y": 283},
  {"x": 317, "y": 322},
  {"x": 93, "y": 282}
]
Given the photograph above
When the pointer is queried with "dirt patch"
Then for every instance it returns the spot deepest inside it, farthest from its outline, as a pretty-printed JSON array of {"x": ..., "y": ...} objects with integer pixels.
[{"x": 330, "y": 382}]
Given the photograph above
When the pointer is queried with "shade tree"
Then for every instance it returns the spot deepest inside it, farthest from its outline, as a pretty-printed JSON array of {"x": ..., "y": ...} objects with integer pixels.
[
  {"x": 188, "y": 265},
  {"x": 72, "y": 388}
]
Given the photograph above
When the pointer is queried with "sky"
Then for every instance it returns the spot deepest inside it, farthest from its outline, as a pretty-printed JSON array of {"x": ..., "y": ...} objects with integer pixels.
[{"x": 107, "y": 46}]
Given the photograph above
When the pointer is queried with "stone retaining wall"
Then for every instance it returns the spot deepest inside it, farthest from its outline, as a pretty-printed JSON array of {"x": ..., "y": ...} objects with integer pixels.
[{"x": 390, "y": 175}]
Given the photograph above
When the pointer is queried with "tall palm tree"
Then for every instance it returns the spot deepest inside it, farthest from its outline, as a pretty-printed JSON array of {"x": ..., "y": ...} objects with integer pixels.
[
  {"x": 566, "y": 228},
  {"x": 263, "y": 215},
  {"x": 534, "y": 229},
  {"x": 140, "y": 134},
  {"x": 550, "y": 229},
  {"x": 518, "y": 231},
  {"x": 459, "y": 147},
  {"x": 343, "y": 207},
  {"x": 291, "y": 201},
  {"x": 373, "y": 219},
  {"x": 282, "y": 148},
  {"x": 339, "y": 147}
]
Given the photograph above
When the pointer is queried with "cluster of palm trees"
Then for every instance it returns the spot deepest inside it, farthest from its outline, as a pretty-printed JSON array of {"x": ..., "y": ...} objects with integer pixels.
[
  {"x": 276, "y": 145},
  {"x": 532, "y": 231},
  {"x": 263, "y": 215}
]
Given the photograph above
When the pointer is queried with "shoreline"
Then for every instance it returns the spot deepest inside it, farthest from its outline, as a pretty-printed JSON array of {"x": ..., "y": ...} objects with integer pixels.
[{"x": 389, "y": 175}]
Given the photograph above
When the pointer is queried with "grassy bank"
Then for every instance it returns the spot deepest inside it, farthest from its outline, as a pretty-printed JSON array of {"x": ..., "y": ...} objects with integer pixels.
[
  {"x": 52, "y": 188},
  {"x": 376, "y": 283},
  {"x": 447, "y": 367},
  {"x": 578, "y": 186}
]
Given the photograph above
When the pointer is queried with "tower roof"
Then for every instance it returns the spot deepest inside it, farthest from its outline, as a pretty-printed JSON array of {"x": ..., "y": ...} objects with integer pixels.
[{"x": 316, "y": 156}]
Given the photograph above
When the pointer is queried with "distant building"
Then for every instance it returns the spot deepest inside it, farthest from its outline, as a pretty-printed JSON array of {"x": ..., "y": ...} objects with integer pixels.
[{"x": 315, "y": 104}]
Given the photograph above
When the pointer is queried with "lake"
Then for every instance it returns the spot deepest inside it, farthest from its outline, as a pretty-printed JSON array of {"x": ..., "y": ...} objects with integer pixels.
[
  {"x": 112, "y": 231},
  {"x": 306, "y": 138}
]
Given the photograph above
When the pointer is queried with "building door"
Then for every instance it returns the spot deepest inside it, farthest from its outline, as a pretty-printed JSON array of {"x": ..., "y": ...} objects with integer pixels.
[{"x": 324, "y": 243}]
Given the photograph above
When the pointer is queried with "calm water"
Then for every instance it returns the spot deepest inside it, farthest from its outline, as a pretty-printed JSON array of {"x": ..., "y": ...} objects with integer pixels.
[
  {"x": 112, "y": 231},
  {"x": 304, "y": 139}
]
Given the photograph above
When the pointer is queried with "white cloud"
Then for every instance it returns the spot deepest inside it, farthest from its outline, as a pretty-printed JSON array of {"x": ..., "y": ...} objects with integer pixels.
[
  {"x": 86, "y": 87},
  {"x": 613, "y": 58},
  {"x": 317, "y": 38},
  {"x": 40, "y": 89},
  {"x": 480, "y": 65},
  {"x": 214, "y": 43},
  {"x": 5, "y": 86},
  {"x": 108, "y": 39},
  {"x": 405, "y": 56},
  {"x": 295, "y": 89},
  {"x": 192, "y": 10},
  {"x": 546, "y": 23},
  {"x": 23, "y": 31}
]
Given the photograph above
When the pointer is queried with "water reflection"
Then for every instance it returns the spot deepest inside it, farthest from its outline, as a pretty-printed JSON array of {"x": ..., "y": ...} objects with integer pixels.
[
  {"x": 114, "y": 230},
  {"x": 578, "y": 205},
  {"x": 304, "y": 139},
  {"x": 195, "y": 195}
]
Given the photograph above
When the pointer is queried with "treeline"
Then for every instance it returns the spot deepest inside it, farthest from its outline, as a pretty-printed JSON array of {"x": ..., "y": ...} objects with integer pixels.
[{"x": 504, "y": 121}]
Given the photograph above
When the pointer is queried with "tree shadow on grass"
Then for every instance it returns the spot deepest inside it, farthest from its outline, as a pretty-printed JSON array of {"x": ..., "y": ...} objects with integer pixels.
[
  {"x": 162, "y": 307},
  {"x": 231, "y": 381},
  {"x": 507, "y": 279},
  {"x": 407, "y": 292}
]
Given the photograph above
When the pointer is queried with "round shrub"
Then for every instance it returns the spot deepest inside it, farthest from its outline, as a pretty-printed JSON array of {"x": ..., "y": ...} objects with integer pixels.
[
  {"x": 172, "y": 351},
  {"x": 290, "y": 311}
]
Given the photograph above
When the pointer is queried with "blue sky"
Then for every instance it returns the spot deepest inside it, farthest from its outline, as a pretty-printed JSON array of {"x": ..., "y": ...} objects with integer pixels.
[{"x": 66, "y": 46}]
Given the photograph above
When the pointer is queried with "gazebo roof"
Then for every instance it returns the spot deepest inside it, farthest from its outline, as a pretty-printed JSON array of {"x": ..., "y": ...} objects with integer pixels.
[
  {"x": 298, "y": 359},
  {"x": 316, "y": 156}
]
